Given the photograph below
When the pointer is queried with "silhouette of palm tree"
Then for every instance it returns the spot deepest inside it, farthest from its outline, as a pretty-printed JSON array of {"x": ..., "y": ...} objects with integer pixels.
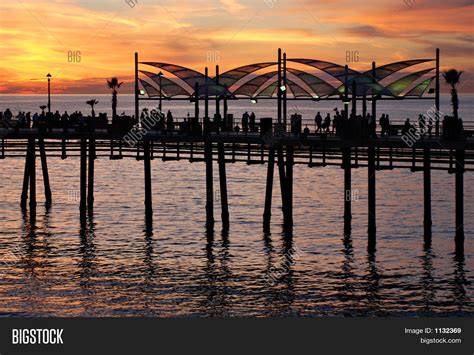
[
  {"x": 92, "y": 103},
  {"x": 452, "y": 78},
  {"x": 114, "y": 85},
  {"x": 42, "y": 107}
]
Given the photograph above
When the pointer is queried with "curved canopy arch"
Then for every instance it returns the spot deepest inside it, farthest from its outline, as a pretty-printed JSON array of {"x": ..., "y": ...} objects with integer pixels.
[
  {"x": 337, "y": 71},
  {"x": 318, "y": 85},
  {"x": 232, "y": 76},
  {"x": 251, "y": 87},
  {"x": 189, "y": 76},
  {"x": 386, "y": 70},
  {"x": 421, "y": 88},
  {"x": 295, "y": 90},
  {"x": 398, "y": 86},
  {"x": 168, "y": 87}
]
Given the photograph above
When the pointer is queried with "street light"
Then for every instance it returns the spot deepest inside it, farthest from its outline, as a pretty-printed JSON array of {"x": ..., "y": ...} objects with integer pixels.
[
  {"x": 160, "y": 75},
  {"x": 49, "y": 91}
]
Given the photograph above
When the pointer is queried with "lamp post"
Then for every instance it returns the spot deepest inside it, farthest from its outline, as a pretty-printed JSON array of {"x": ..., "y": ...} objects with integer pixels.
[
  {"x": 160, "y": 75},
  {"x": 49, "y": 91}
]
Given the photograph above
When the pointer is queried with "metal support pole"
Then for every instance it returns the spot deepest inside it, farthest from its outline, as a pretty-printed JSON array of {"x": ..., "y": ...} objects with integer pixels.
[
  {"x": 437, "y": 90},
  {"x": 196, "y": 102},
  {"x": 285, "y": 110},
  {"x": 374, "y": 102},
  {"x": 354, "y": 98},
  {"x": 137, "y": 108},
  {"x": 279, "y": 85},
  {"x": 218, "y": 101},
  {"x": 206, "y": 96}
]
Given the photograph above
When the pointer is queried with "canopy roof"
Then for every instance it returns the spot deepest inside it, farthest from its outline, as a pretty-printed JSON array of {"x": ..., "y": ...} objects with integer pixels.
[{"x": 249, "y": 81}]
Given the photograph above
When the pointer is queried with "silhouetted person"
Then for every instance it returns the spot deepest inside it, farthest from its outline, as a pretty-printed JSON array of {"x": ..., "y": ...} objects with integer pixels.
[
  {"x": 217, "y": 122},
  {"x": 327, "y": 123},
  {"x": 169, "y": 121},
  {"x": 430, "y": 126},
  {"x": 245, "y": 122},
  {"x": 65, "y": 121},
  {"x": 8, "y": 114},
  {"x": 406, "y": 127},
  {"x": 387, "y": 122},
  {"x": 372, "y": 126},
  {"x": 28, "y": 120},
  {"x": 382, "y": 124},
  {"x": 252, "y": 122},
  {"x": 318, "y": 120}
]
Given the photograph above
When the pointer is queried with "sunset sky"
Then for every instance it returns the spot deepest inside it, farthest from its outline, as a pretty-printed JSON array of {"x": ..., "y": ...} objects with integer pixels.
[{"x": 36, "y": 36}]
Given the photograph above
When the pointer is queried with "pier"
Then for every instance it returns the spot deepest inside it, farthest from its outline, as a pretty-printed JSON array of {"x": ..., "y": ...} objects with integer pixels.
[{"x": 272, "y": 141}]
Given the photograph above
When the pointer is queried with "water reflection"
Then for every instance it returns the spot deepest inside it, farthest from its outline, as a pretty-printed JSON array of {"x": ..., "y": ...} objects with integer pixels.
[
  {"x": 278, "y": 278},
  {"x": 372, "y": 284},
  {"x": 347, "y": 273},
  {"x": 216, "y": 302},
  {"x": 36, "y": 246},
  {"x": 149, "y": 270},
  {"x": 428, "y": 290},
  {"x": 461, "y": 282},
  {"x": 35, "y": 260},
  {"x": 87, "y": 265},
  {"x": 148, "y": 258}
]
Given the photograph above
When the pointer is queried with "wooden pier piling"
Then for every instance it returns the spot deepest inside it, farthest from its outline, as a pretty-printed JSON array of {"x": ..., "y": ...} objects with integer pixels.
[
  {"x": 90, "y": 191},
  {"x": 26, "y": 179},
  {"x": 372, "y": 198},
  {"x": 223, "y": 187},
  {"x": 346, "y": 165},
  {"x": 32, "y": 172},
  {"x": 267, "y": 213},
  {"x": 282, "y": 176},
  {"x": 459, "y": 237},
  {"x": 63, "y": 149},
  {"x": 427, "y": 195},
  {"x": 289, "y": 186},
  {"x": 148, "y": 190},
  {"x": 83, "y": 178},
  {"x": 44, "y": 168},
  {"x": 209, "y": 185}
]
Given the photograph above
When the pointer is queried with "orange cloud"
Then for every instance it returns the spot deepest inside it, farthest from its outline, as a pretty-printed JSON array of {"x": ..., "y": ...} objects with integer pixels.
[{"x": 85, "y": 41}]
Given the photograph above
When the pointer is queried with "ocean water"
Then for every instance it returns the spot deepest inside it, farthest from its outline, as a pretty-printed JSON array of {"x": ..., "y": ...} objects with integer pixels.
[
  {"x": 115, "y": 267},
  {"x": 398, "y": 110}
]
